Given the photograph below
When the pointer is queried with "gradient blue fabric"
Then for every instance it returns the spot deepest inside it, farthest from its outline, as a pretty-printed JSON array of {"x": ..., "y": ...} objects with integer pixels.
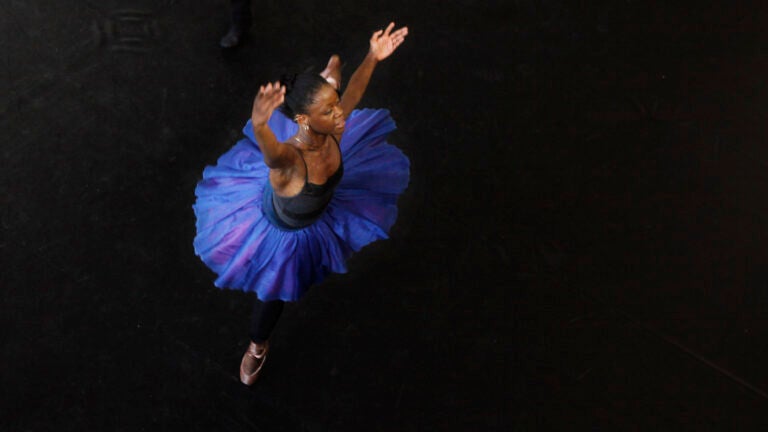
[{"x": 247, "y": 252}]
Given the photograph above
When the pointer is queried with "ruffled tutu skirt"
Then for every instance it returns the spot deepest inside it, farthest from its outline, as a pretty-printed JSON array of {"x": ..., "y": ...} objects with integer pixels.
[{"x": 238, "y": 242}]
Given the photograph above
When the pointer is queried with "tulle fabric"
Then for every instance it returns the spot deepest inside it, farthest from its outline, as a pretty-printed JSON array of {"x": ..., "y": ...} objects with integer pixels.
[{"x": 247, "y": 252}]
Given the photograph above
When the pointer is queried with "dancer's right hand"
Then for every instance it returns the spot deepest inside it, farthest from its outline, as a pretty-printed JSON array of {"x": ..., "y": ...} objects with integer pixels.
[{"x": 267, "y": 99}]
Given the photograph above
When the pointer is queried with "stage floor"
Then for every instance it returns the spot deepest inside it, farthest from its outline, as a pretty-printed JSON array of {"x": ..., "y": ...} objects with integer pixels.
[{"x": 582, "y": 245}]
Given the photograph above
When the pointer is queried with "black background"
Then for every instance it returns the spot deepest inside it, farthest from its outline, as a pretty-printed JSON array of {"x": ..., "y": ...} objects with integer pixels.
[{"x": 581, "y": 247}]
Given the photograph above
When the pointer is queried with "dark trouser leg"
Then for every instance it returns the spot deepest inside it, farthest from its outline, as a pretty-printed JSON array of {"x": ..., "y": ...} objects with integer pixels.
[
  {"x": 264, "y": 319},
  {"x": 241, "y": 14}
]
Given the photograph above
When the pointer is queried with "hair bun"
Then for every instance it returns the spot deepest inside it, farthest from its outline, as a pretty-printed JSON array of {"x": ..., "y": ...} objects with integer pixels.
[
  {"x": 289, "y": 81},
  {"x": 299, "y": 92}
]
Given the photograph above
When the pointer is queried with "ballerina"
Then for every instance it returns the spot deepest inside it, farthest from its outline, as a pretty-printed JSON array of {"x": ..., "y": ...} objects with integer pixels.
[{"x": 313, "y": 181}]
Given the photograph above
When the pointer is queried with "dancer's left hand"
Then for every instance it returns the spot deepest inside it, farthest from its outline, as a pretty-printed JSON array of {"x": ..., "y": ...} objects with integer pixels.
[{"x": 383, "y": 43}]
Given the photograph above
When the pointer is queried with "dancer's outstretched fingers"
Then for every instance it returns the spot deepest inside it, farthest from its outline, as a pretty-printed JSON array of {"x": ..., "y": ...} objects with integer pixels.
[{"x": 389, "y": 28}]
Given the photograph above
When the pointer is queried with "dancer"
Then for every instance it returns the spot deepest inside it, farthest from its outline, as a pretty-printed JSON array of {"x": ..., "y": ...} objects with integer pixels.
[
  {"x": 240, "y": 22},
  {"x": 312, "y": 182}
]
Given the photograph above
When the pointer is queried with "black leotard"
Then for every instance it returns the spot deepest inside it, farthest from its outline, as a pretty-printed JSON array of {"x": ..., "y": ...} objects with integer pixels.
[{"x": 306, "y": 207}]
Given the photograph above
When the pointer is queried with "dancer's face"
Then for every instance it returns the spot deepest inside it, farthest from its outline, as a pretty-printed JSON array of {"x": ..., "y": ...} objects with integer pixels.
[{"x": 325, "y": 114}]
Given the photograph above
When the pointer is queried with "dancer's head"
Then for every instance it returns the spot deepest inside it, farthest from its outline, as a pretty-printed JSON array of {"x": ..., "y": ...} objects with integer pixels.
[
  {"x": 310, "y": 100},
  {"x": 300, "y": 93}
]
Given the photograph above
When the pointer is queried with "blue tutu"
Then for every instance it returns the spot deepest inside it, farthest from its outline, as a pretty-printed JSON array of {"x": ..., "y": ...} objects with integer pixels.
[{"x": 236, "y": 239}]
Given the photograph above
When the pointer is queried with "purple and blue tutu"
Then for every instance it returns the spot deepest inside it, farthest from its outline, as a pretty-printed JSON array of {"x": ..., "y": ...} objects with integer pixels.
[{"x": 236, "y": 239}]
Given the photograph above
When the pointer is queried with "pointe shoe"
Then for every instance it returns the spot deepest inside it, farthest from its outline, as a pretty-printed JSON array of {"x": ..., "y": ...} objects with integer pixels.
[
  {"x": 332, "y": 72},
  {"x": 252, "y": 362},
  {"x": 233, "y": 37}
]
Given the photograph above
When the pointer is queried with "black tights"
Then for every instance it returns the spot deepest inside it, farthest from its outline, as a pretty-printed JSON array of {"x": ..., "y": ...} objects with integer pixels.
[
  {"x": 241, "y": 13},
  {"x": 264, "y": 318}
]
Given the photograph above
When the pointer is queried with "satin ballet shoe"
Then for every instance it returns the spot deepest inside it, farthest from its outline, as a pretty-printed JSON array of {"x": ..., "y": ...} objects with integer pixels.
[{"x": 252, "y": 363}]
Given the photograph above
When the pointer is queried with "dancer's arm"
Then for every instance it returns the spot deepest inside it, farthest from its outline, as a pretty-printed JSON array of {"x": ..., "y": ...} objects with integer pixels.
[
  {"x": 382, "y": 45},
  {"x": 276, "y": 155}
]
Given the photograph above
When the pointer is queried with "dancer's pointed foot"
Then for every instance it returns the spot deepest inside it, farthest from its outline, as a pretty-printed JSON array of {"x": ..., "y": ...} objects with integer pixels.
[
  {"x": 332, "y": 72},
  {"x": 253, "y": 360},
  {"x": 234, "y": 37}
]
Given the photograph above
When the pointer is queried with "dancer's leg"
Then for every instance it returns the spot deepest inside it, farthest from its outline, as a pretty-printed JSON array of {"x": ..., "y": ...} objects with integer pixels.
[
  {"x": 241, "y": 14},
  {"x": 264, "y": 319},
  {"x": 240, "y": 11}
]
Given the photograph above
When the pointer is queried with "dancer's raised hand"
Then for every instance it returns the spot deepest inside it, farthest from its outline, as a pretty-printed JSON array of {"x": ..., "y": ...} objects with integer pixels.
[
  {"x": 267, "y": 99},
  {"x": 385, "y": 42}
]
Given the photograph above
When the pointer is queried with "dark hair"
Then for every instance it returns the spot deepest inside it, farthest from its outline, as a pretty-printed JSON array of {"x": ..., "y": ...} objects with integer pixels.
[{"x": 300, "y": 90}]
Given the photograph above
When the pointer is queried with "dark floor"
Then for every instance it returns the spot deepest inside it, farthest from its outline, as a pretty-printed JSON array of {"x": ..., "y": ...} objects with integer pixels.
[{"x": 582, "y": 246}]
